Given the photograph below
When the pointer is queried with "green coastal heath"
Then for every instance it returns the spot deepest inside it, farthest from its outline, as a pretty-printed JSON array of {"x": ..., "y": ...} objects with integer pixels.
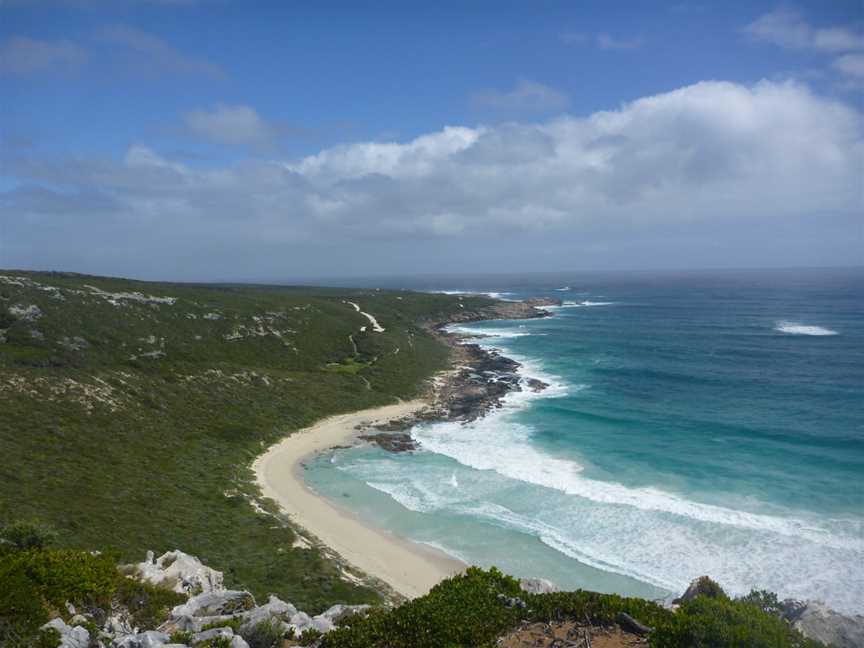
[{"x": 131, "y": 411}]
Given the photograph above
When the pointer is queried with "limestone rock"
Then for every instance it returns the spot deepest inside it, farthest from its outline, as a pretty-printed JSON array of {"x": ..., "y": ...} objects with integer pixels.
[
  {"x": 537, "y": 585},
  {"x": 336, "y": 613},
  {"x": 148, "y": 639},
  {"x": 702, "y": 586},
  {"x": 180, "y": 571},
  {"x": 322, "y": 624},
  {"x": 274, "y": 611},
  {"x": 817, "y": 621},
  {"x": 300, "y": 622},
  {"x": 70, "y": 637},
  {"x": 226, "y": 602}
]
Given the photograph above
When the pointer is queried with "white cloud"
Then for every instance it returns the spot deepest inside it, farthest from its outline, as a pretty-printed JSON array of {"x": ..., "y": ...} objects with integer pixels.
[
  {"x": 602, "y": 40},
  {"x": 233, "y": 125},
  {"x": 21, "y": 55},
  {"x": 605, "y": 41},
  {"x": 713, "y": 161},
  {"x": 789, "y": 29},
  {"x": 526, "y": 96},
  {"x": 152, "y": 55},
  {"x": 851, "y": 65}
]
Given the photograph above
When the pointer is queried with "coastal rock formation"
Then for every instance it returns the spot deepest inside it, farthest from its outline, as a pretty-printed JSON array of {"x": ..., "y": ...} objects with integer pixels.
[
  {"x": 481, "y": 380},
  {"x": 180, "y": 571},
  {"x": 211, "y": 613},
  {"x": 538, "y": 585},
  {"x": 815, "y": 620}
]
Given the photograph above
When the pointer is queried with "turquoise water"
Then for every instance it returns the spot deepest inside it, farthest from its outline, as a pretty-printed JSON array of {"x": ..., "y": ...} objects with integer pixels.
[{"x": 694, "y": 424}]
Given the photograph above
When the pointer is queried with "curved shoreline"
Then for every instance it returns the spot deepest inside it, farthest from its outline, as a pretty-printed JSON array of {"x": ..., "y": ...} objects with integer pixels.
[{"x": 409, "y": 568}]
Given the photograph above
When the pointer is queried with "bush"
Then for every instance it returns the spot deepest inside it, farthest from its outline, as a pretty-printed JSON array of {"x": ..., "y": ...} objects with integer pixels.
[
  {"x": 764, "y": 600},
  {"x": 461, "y": 611},
  {"x": 148, "y": 604},
  {"x": 35, "y": 581},
  {"x": 27, "y": 535},
  {"x": 264, "y": 635},
  {"x": 720, "y": 623}
]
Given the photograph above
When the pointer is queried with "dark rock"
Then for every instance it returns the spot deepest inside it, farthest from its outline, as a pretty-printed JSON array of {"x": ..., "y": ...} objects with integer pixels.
[
  {"x": 702, "y": 586},
  {"x": 632, "y": 625},
  {"x": 400, "y": 442}
]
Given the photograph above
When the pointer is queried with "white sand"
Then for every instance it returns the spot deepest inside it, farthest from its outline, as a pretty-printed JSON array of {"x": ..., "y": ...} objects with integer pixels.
[{"x": 409, "y": 568}]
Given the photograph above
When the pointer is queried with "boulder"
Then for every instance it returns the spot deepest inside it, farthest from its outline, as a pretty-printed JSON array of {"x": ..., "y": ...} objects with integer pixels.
[
  {"x": 148, "y": 639},
  {"x": 336, "y": 613},
  {"x": 227, "y": 602},
  {"x": 702, "y": 586},
  {"x": 274, "y": 611},
  {"x": 322, "y": 624},
  {"x": 300, "y": 622},
  {"x": 70, "y": 637},
  {"x": 213, "y": 633},
  {"x": 537, "y": 585},
  {"x": 817, "y": 621},
  {"x": 181, "y": 572}
]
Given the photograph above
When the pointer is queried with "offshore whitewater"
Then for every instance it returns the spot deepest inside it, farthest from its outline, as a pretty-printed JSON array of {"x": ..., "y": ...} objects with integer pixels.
[{"x": 694, "y": 424}]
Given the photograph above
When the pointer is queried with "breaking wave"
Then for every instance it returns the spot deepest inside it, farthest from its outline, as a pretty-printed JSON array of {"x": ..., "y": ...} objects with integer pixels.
[{"x": 794, "y": 328}]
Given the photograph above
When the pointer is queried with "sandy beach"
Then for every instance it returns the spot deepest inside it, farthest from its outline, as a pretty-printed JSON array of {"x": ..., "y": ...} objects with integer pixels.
[{"x": 409, "y": 568}]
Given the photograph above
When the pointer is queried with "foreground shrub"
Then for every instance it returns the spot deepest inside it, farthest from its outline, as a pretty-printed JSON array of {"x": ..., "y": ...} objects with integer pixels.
[
  {"x": 148, "y": 604},
  {"x": 461, "y": 611},
  {"x": 35, "y": 581},
  {"x": 720, "y": 623},
  {"x": 264, "y": 635},
  {"x": 27, "y": 535}
]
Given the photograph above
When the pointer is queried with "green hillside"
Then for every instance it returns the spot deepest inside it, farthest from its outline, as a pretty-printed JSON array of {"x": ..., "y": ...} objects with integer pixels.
[{"x": 130, "y": 411}]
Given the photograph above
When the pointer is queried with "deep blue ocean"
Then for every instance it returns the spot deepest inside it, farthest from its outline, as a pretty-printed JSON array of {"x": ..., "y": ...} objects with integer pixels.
[{"x": 695, "y": 423}]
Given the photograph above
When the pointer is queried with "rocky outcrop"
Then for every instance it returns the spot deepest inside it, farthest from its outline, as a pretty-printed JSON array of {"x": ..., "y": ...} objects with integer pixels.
[
  {"x": 815, "y": 620},
  {"x": 180, "y": 572},
  {"x": 538, "y": 585},
  {"x": 210, "y": 613},
  {"x": 70, "y": 636}
]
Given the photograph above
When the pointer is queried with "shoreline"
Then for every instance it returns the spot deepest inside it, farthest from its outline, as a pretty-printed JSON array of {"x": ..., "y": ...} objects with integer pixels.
[
  {"x": 409, "y": 568},
  {"x": 474, "y": 383}
]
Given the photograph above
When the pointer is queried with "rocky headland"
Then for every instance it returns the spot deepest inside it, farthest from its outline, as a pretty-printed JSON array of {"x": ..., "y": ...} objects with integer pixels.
[{"x": 477, "y": 382}]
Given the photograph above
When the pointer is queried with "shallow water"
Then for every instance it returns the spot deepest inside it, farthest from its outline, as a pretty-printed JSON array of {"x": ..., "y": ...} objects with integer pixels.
[{"x": 694, "y": 424}]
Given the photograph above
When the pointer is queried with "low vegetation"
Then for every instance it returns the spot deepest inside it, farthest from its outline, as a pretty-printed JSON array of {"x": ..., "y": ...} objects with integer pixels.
[
  {"x": 132, "y": 411},
  {"x": 473, "y": 610},
  {"x": 470, "y": 610}
]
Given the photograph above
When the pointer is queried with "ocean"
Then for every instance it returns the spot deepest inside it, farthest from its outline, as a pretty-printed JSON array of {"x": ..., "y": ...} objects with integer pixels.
[{"x": 695, "y": 423}]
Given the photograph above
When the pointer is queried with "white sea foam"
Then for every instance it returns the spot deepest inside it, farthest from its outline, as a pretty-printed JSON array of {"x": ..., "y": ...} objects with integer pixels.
[
  {"x": 492, "y": 294},
  {"x": 563, "y": 289},
  {"x": 794, "y": 328},
  {"x": 663, "y": 549},
  {"x": 655, "y": 536}
]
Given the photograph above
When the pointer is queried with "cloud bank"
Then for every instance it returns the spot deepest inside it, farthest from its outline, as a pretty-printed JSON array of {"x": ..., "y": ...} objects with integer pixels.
[{"x": 707, "y": 165}]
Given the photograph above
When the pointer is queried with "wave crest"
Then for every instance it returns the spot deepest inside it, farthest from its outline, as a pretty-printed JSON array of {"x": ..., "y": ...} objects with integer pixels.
[{"x": 796, "y": 328}]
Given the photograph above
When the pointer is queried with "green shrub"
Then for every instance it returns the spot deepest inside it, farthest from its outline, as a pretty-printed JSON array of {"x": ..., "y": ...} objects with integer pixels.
[
  {"x": 27, "y": 535},
  {"x": 461, "y": 611},
  {"x": 148, "y": 604},
  {"x": 764, "y": 600},
  {"x": 35, "y": 581},
  {"x": 310, "y": 636},
  {"x": 181, "y": 637},
  {"x": 264, "y": 635},
  {"x": 233, "y": 623},
  {"x": 215, "y": 642},
  {"x": 721, "y": 623}
]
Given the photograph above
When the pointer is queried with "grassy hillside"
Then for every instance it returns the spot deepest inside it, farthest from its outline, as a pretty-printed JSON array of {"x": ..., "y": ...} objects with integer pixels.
[{"x": 131, "y": 411}]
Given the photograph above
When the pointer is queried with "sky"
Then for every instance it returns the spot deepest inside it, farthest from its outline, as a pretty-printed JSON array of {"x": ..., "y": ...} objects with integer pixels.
[{"x": 272, "y": 141}]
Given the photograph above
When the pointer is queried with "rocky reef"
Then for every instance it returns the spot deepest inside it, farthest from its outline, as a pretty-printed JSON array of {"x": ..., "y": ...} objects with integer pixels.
[{"x": 477, "y": 383}]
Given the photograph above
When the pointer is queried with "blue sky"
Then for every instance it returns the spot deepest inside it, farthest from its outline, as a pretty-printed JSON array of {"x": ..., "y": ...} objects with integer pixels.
[{"x": 224, "y": 139}]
